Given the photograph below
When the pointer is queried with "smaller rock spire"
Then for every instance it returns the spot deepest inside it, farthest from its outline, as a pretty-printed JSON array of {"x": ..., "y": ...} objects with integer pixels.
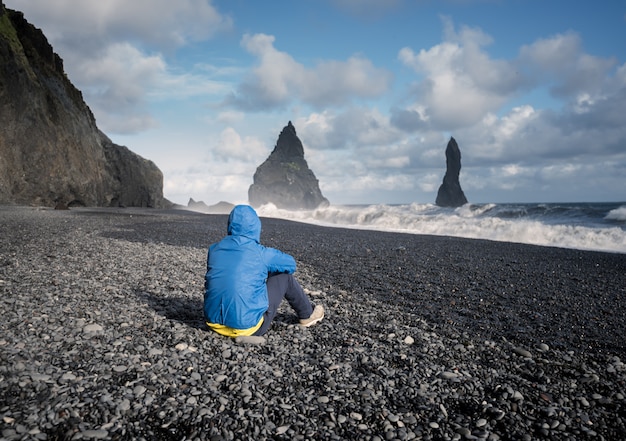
[{"x": 450, "y": 193}]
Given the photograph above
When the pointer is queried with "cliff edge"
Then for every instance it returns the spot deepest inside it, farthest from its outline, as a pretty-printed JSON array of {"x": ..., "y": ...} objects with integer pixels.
[{"x": 51, "y": 151}]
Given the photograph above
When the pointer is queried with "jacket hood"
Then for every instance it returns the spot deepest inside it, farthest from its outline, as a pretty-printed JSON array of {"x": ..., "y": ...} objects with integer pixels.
[{"x": 243, "y": 221}]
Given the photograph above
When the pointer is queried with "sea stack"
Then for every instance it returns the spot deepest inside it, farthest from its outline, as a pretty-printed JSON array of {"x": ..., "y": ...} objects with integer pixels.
[
  {"x": 285, "y": 179},
  {"x": 51, "y": 151},
  {"x": 450, "y": 193}
]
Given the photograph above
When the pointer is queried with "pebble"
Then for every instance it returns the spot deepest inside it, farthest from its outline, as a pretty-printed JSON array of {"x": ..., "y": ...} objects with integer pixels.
[
  {"x": 446, "y": 375},
  {"x": 93, "y": 328},
  {"x": 40, "y": 377},
  {"x": 543, "y": 347},
  {"x": 95, "y": 434},
  {"x": 281, "y": 430},
  {"x": 124, "y": 405},
  {"x": 464, "y": 431},
  {"x": 356, "y": 416},
  {"x": 139, "y": 390},
  {"x": 444, "y": 411},
  {"x": 517, "y": 396},
  {"x": 523, "y": 352},
  {"x": 251, "y": 340}
]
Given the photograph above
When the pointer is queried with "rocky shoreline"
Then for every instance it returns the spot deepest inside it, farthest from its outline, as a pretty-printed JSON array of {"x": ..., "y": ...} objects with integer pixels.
[{"x": 425, "y": 337}]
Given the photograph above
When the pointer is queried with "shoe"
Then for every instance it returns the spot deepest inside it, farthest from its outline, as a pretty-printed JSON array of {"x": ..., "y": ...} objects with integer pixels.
[{"x": 316, "y": 316}]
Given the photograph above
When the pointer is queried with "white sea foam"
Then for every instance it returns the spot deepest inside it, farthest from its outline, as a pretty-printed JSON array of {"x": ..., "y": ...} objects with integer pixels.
[
  {"x": 468, "y": 221},
  {"x": 619, "y": 214}
]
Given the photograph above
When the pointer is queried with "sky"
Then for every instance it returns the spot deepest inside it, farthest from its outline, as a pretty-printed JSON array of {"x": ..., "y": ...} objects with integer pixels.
[{"x": 533, "y": 91}]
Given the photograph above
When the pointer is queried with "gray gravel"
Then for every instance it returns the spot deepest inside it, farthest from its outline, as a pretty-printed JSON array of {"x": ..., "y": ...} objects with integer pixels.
[{"x": 101, "y": 336}]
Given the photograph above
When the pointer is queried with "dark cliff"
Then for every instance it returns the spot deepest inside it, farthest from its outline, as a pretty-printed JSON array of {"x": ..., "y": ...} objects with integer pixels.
[
  {"x": 285, "y": 179},
  {"x": 450, "y": 193},
  {"x": 51, "y": 151}
]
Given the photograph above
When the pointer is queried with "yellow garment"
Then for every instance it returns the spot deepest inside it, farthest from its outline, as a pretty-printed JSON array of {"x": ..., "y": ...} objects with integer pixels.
[{"x": 232, "y": 332}]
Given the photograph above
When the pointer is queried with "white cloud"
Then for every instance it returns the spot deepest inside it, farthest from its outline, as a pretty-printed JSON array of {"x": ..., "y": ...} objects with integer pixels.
[
  {"x": 499, "y": 139},
  {"x": 561, "y": 171},
  {"x": 461, "y": 89},
  {"x": 556, "y": 54},
  {"x": 278, "y": 79},
  {"x": 209, "y": 188},
  {"x": 232, "y": 147},
  {"x": 119, "y": 83},
  {"x": 366, "y": 186},
  {"x": 386, "y": 162},
  {"x": 354, "y": 128},
  {"x": 224, "y": 173},
  {"x": 429, "y": 183},
  {"x": 561, "y": 60},
  {"x": 511, "y": 170},
  {"x": 461, "y": 83},
  {"x": 84, "y": 25},
  {"x": 504, "y": 178},
  {"x": 120, "y": 77}
]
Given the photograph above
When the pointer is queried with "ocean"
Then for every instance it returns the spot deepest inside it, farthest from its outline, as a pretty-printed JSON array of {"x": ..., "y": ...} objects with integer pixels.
[{"x": 584, "y": 226}]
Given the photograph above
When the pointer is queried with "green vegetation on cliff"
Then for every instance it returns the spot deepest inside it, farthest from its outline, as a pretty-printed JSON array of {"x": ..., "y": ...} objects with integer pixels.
[{"x": 9, "y": 34}]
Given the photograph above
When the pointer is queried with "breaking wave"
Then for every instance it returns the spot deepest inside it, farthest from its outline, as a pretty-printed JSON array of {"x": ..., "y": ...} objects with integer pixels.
[
  {"x": 595, "y": 226},
  {"x": 618, "y": 214}
]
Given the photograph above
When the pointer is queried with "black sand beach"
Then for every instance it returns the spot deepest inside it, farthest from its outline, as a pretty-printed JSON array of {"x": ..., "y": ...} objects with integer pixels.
[{"x": 425, "y": 337}]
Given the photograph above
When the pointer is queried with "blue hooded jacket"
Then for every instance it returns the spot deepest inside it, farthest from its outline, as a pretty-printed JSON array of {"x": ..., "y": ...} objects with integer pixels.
[{"x": 237, "y": 269}]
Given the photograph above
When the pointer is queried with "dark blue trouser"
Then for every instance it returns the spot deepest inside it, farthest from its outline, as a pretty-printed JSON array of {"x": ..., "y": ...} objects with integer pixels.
[{"x": 284, "y": 286}]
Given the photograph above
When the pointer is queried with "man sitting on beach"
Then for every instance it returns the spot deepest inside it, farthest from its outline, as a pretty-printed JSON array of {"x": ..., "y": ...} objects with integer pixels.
[{"x": 245, "y": 281}]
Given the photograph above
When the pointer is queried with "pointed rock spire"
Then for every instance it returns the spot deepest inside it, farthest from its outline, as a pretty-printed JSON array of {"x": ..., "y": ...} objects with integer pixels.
[
  {"x": 288, "y": 144},
  {"x": 284, "y": 179}
]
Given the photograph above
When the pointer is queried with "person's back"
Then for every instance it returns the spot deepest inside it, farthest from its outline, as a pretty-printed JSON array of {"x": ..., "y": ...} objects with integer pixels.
[{"x": 236, "y": 298}]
